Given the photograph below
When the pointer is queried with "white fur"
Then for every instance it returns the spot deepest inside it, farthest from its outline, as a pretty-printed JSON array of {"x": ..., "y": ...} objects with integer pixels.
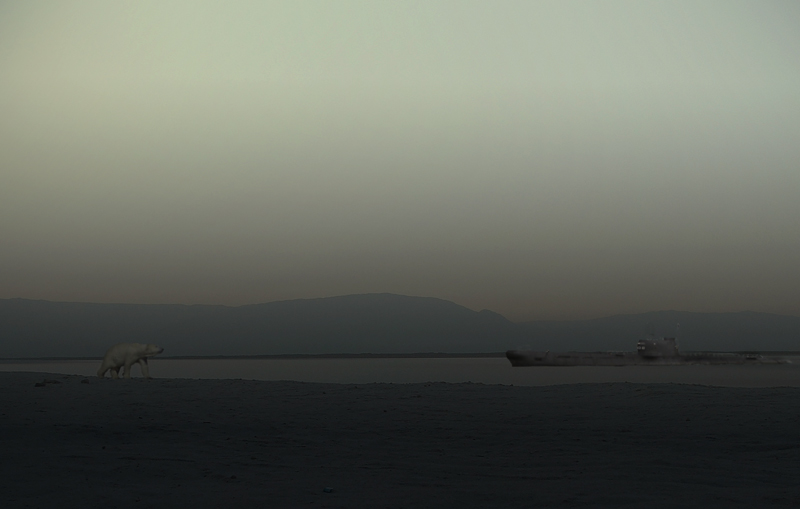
[{"x": 127, "y": 354}]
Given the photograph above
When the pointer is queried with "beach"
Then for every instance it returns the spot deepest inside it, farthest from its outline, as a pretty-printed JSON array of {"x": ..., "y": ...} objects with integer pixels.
[{"x": 76, "y": 441}]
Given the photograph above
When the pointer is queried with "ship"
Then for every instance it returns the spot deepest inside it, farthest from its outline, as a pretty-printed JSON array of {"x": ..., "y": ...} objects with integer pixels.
[{"x": 649, "y": 352}]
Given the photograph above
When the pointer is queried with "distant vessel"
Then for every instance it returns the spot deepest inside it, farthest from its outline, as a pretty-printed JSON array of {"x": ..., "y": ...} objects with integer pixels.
[{"x": 649, "y": 352}]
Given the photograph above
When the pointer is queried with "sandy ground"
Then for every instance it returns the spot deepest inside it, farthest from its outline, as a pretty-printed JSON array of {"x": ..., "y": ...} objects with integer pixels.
[{"x": 221, "y": 443}]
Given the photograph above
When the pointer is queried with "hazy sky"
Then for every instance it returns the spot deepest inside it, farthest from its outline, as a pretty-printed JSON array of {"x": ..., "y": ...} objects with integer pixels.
[{"x": 541, "y": 159}]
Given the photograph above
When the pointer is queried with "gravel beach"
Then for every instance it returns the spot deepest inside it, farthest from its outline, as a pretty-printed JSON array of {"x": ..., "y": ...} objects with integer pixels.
[{"x": 73, "y": 441}]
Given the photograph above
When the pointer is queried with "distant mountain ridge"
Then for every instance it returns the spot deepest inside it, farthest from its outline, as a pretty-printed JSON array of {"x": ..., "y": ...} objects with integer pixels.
[
  {"x": 357, "y": 324},
  {"x": 368, "y": 323}
]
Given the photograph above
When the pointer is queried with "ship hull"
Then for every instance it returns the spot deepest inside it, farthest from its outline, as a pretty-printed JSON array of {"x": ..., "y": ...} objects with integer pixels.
[{"x": 521, "y": 358}]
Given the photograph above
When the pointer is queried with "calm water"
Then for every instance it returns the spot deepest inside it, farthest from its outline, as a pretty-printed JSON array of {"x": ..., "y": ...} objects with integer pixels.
[{"x": 491, "y": 370}]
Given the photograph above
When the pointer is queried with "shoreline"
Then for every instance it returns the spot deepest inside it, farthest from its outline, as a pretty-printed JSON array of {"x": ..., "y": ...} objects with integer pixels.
[
  {"x": 431, "y": 355},
  {"x": 421, "y": 355},
  {"x": 487, "y": 370}
]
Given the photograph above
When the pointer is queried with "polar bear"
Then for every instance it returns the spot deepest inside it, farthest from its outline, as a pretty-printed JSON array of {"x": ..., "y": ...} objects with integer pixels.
[{"x": 127, "y": 354}]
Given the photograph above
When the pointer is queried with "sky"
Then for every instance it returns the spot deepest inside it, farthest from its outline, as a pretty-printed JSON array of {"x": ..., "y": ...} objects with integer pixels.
[{"x": 545, "y": 160}]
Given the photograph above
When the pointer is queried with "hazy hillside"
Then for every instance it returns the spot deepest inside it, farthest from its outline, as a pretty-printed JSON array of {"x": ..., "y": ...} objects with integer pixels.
[
  {"x": 698, "y": 331},
  {"x": 372, "y": 323}
]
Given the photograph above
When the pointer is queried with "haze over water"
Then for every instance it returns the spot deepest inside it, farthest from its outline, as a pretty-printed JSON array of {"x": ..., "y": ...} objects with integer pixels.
[{"x": 554, "y": 159}]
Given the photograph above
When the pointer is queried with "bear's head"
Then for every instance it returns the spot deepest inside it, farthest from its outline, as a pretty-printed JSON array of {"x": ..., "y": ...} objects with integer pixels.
[{"x": 151, "y": 350}]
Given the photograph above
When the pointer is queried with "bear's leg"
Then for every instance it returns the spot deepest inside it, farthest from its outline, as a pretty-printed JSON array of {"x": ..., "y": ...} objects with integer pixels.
[
  {"x": 128, "y": 369},
  {"x": 102, "y": 371},
  {"x": 115, "y": 372},
  {"x": 143, "y": 365}
]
